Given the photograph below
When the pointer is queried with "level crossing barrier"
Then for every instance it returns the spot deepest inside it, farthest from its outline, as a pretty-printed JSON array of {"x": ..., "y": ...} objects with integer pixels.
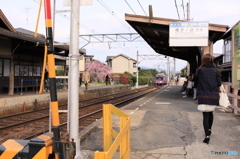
[{"x": 122, "y": 138}]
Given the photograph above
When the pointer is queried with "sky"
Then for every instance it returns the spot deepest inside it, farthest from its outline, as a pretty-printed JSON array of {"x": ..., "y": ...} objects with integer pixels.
[{"x": 108, "y": 17}]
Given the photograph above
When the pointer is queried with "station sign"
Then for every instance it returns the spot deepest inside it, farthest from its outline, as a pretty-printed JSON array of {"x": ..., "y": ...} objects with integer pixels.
[
  {"x": 188, "y": 34},
  {"x": 67, "y": 3}
]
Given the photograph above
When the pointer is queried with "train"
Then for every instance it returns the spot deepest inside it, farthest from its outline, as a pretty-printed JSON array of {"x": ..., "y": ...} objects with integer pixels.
[{"x": 161, "y": 79}]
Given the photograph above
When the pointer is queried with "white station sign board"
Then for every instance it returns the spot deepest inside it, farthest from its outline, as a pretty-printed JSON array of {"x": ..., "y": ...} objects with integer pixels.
[
  {"x": 188, "y": 34},
  {"x": 67, "y": 3}
]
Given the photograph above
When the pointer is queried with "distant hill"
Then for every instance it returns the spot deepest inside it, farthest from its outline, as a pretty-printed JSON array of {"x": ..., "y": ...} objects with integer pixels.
[
  {"x": 160, "y": 69},
  {"x": 145, "y": 67}
]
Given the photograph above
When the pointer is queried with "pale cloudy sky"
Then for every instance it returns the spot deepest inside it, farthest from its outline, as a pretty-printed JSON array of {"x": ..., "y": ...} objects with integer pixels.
[{"x": 108, "y": 17}]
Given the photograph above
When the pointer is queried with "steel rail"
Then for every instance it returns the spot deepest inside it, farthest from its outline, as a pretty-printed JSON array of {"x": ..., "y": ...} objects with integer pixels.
[
  {"x": 140, "y": 93},
  {"x": 64, "y": 105},
  {"x": 87, "y": 115}
]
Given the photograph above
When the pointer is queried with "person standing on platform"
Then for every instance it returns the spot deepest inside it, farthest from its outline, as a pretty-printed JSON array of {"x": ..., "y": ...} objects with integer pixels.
[
  {"x": 112, "y": 80},
  {"x": 46, "y": 81},
  {"x": 86, "y": 78},
  {"x": 107, "y": 79},
  {"x": 209, "y": 81},
  {"x": 80, "y": 79},
  {"x": 176, "y": 80}
]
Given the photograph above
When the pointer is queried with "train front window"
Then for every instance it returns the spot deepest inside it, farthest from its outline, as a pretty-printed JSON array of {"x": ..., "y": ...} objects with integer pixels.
[{"x": 159, "y": 78}]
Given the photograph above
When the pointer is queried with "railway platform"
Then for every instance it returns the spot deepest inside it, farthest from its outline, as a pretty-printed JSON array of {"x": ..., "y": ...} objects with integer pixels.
[{"x": 166, "y": 126}]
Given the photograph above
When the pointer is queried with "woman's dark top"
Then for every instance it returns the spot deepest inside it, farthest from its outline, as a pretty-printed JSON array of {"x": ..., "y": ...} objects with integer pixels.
[
  {"x": 107, "y": 78},
  {"x": 209, "y": 80}
]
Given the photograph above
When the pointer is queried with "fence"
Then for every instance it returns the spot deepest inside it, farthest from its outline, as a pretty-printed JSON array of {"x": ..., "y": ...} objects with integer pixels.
[
  {"x": 234, "y": 95},
  {"x": 122, "y": 138}
]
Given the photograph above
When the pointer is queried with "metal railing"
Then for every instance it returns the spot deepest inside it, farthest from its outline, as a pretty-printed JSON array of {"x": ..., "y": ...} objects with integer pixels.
[
  {"x": 36, "y": 84},
  {"x": 60, "y": 84},
  {"x": 234, "y": 95},
  {"x": 122, "y": 138}
]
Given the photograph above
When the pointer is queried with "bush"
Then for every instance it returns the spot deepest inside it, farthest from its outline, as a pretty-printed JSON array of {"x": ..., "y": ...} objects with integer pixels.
[
  {"x": 132, "y": 81},
  {"x": 60, "y": 72},
  {"x": 143, "y": 80}
]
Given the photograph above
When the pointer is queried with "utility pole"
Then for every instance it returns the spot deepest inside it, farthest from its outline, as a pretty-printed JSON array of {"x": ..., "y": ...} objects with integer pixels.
[
  {"x": 54, "y": 14},
  {"x": 137, "y": 71},
  {"x": 188, "y": 12},
  {"x": 74, "y": 74}
]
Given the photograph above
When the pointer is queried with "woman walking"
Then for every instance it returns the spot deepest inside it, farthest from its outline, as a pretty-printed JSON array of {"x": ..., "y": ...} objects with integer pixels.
[{"x": 209, "y": 81}]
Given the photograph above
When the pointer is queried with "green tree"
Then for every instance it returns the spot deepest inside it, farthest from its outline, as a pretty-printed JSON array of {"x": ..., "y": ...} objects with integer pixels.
[
  {"x": 144, "y": 72},
  {"x": 163, "y": 72},
  {"x": 132, "y": 79},
  {"x": 148, "y": 72},
  {"x": 154, "y": 72},
  {"x": 184, "y": 72}
]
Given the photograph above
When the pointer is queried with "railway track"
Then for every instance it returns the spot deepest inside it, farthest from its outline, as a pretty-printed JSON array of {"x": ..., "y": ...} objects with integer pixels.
[{"x": 30, "y": 124}]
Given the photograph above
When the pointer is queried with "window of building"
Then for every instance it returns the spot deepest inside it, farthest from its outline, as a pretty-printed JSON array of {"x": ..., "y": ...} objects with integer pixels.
[
  {"x": 88, "y": 59},
  {"x": 6, "y": 70},
  {"x": 134, "y": 65},
  {"x": 227, "y": 50},
  {"x": 109, "y": 63}
]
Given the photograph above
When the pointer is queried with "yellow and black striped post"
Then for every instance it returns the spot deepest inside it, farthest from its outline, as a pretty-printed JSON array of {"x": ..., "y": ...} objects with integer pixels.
[
  {"x": 58, "y": 146},
  {"x": 37, "y": 148}
]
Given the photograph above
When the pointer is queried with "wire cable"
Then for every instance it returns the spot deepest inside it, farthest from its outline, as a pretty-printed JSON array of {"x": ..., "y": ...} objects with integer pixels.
[
  {"x": 177, "y": 10},
  {"x": 142, "y": 8},
  {"x": 183, "y": 9},
  {"x": 129, "y": 6},
  {"x": 91, "y": 30},
  {"x": 113, "y": 14}
]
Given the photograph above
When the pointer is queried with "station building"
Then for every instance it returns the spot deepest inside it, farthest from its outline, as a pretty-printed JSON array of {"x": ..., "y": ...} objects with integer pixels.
[{"x": 22, "y": 56}]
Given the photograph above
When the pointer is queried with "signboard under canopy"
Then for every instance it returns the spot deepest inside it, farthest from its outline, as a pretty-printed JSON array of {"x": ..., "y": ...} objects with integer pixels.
[{"x": 188, "y": 34}]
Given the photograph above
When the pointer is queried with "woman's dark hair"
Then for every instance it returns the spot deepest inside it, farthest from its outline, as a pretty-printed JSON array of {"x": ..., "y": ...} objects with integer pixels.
[{"x": 207, "y": 58}]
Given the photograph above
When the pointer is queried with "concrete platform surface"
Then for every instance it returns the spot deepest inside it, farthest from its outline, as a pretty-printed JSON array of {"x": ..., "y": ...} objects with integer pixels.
[{"x": 164, "y": 125}]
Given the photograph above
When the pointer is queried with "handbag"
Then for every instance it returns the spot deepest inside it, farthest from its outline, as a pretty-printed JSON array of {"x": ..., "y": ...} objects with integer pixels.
[
  {"x": 190, "y": 84},
  {"x": 223, "y": 101}
]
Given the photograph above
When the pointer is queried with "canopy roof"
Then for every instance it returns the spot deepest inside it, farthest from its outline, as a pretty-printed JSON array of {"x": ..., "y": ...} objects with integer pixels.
[{"x": 155, "y": 31}]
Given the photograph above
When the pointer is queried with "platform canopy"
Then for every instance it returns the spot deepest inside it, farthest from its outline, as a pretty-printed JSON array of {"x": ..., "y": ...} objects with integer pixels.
[{"x": 155, "y": 31}]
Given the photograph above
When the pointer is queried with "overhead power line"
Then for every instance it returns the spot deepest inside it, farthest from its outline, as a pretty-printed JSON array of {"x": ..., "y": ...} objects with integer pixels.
[
  {"x": 90, "y": 29},
  {"x": 177, "y": 10},
  {"x": 113, "y": 14},
  {"x": 142, "y": 8},
  {"x": 129, "y": 6}
]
